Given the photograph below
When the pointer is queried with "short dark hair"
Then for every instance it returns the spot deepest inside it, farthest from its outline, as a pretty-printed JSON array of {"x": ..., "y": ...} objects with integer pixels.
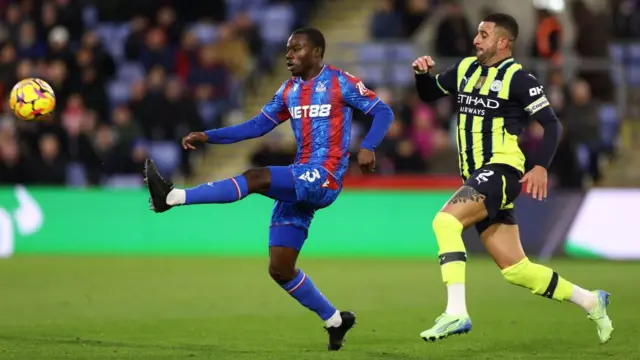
[
  {"x": 506, "y": 22},
  {"x": 315, "y": 37}
]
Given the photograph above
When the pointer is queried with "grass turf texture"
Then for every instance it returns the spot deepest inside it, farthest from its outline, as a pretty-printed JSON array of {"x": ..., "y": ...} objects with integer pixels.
[{"x": 151, "y": 308}]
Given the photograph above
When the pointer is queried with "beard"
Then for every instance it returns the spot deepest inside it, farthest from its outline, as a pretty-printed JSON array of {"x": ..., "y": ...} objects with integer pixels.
[{"x": 487, "y": 54}]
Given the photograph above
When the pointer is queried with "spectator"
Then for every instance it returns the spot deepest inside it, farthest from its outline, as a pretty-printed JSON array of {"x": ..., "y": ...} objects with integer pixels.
[
  {"x": 415, "y": 13},
  {"x": 14, "y": 167},
  {"x": 28, "y": 46},
  {"x": 167, "y": 20},
  {"x": 582, "y": 124},
  {"x": 155, "y": 51},
  {"x": 247, "y": 30},
  {"x": 454, "y": 35},
  {"x": 385, "y": 22},
  {"x": 187, "y": 55},
  {"x": 548, "y": 39},
  {"x": 50, "y": 167},
  {"x": 626, "y": 19},
  {"x": 234, "y": 51},
  {"x": 118, "y": 90},
  {"x": 135, "y": 41}
]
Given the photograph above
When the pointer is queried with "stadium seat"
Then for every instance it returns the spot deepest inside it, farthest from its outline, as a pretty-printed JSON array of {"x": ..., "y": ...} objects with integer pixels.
[
  {"x": 234, "y": 7},
  {"x": 210, "y": 111},
  {"x": 371, "y": 75},
  {"x": 113, "y": 37},
  {"x": 403, "y": 52},
  {"x": 166, "y": 154},
  {"x": 90, "y": 16},
  {"x": 105, "y": 32},
  {"x": 118, "y": 92},
  {"x": 633, "y": 75},
  {"x": 633, "y": 51},
  {"x": 582, "y": 155},
  {"x": 276, "y": 22},
  {"x": 402, "y": 75},
  {"x": 617, "y": 53},
  {"x": 76, "y": 175},
  {"x": 610, "y": 125},
  {"x": 372, "y": 53},
  {"x": 206, "y": 33},
  {"x": 130, "y": 71}
]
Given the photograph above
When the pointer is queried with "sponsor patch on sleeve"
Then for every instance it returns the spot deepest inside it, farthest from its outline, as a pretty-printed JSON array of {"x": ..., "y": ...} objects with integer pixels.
[{"x": 537, "y": 105}]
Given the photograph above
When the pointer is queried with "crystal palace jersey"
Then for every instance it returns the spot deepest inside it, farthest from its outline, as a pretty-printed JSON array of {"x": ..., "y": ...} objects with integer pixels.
[{"x": 320, "y": 111}]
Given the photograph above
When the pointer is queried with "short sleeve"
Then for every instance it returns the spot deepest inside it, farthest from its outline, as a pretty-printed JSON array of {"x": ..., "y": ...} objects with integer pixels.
[
  {"x": 276, "y": 109},
  {"x": 356, "y": 94},
  {"x": 527, "y": 91}
]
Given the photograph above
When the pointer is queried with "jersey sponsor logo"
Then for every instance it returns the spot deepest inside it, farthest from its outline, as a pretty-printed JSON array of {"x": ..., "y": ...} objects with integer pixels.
[
  {"x": 484, "y": 176},
  {"x": 476, "y": 105},
  {"x": 535, "y": 91},
  {"x": 537, "y": 105},
  {"x": 311, "y": 111},
  {"x": 310, "y": 176}
]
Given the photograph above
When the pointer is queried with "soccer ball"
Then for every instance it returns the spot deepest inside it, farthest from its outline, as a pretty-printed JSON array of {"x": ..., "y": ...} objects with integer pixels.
[{"x": 32, "y": 99}]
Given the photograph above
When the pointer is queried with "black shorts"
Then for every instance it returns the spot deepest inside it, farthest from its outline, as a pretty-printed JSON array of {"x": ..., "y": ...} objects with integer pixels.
[{"x": 501, "y": 185}]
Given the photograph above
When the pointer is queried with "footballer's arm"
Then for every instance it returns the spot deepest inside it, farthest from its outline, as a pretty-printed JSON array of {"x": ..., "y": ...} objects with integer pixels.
[
  {"x": 530, "y": 94},
  {"x": 256, "y": 127},
  {"x": 429, "y": 87}
]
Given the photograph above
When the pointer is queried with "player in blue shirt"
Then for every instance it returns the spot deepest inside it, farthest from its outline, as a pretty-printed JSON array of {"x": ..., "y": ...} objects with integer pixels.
[{"x": 319, "y": 101}]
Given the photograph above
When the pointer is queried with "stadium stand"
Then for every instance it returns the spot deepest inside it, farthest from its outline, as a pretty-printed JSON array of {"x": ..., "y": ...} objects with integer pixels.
[
  {"x": 130, "y": 80},
  {"x": 130, "y": 83}
]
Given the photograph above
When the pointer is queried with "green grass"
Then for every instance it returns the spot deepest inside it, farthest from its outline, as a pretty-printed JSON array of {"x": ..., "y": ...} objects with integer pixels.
[{"x": 108, "y": 308}]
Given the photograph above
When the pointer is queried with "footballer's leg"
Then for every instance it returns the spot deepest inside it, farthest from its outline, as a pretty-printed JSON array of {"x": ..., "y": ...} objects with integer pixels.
[
  {"x": 275, "y": 182},
  {"x": 289, "y": 225},
  {"x": 479, "y": 199},
  {"x": 465, "y": 208},
  {"x": 502, "y": 241},
  {"x": 287, "y": 235}
]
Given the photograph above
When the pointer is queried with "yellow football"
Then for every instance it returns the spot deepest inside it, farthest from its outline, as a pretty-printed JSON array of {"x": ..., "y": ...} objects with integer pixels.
[{"x": 32, "y": 99}]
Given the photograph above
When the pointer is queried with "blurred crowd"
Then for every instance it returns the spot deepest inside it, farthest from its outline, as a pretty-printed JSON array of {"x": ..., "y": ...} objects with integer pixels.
[
  {"x": 422, "y": 138},
  {"x": 130, "y": 77}
]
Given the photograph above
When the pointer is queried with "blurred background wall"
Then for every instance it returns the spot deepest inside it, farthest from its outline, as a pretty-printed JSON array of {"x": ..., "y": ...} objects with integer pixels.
[{"x": 132, "y": 77}]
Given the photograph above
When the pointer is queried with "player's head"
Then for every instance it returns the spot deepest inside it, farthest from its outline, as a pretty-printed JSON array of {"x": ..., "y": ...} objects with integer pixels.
[
  {"x": 305, "y": 50},
  {"x": 495, "y": 38}
]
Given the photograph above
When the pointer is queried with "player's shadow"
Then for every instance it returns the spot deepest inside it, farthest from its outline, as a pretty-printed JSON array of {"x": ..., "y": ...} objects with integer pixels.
[{"x": 199, "y": 348}]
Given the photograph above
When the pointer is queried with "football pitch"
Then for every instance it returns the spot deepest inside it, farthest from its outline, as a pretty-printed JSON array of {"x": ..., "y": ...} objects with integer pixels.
[{"x": 212, "y": 308}]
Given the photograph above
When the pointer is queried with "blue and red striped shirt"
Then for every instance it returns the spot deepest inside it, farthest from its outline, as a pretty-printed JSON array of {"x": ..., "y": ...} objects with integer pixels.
[{"x": 320, "y": 111}]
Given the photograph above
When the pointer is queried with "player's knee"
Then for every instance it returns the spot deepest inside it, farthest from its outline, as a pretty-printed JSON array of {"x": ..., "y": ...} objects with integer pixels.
[
  {"x": 258, "y": 179},
  {"x": 445, "y": 223},
  {"x": 281, "y": 273}
]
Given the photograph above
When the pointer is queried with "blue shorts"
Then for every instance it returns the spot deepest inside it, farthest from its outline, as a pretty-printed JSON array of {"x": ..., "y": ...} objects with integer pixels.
[{"x": 316, "y": 188}]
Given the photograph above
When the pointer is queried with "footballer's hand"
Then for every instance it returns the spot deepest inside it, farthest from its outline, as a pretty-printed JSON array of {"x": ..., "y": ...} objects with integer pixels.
[
  {"x": 367, "y": 160},
  {"x": 189, "y": 141},
  {"x": 423, "y": 64},
  {"x": 536, "y": 180}
]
